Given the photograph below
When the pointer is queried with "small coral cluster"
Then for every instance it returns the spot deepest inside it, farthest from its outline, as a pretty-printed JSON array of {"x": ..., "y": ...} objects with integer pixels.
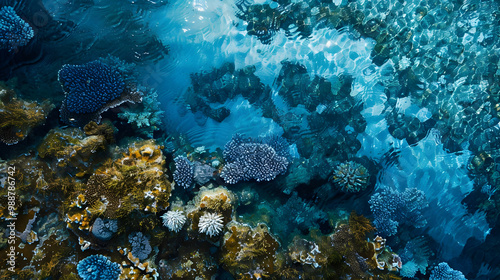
[
  {"x": 248, "y": 159},
  {"x": 98, "y": 267},
  {"x": 211, "y": 224},
  {"x": 444, "y": 272},
  {"x": 146, "y": 118},
  {"x": 350, "y": 176},
  {"x": 77, "y": 152},
  {"x": 184, "y": 172},
  {"x": 392, "y": 209},
  {"x": 14, "y": 31}
]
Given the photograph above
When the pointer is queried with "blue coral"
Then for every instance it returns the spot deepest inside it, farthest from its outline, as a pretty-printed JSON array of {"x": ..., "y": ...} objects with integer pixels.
[
  {"x": 444, "y": 272},
  {"x": 98, "y": 267},
  {"x": 184, "y": 172},
  {"x": 90, "y": 86},
  {"x": 247, "y": 159},
  {"x": 392, "y": 208},
  {"x": 104, "y": 229},
  {"x": 14, "y": 31},
  {"x": 140, "y": 245}
]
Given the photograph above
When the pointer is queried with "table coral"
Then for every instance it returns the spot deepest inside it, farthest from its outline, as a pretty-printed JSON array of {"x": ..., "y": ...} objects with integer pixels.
[
  {"x": 91, "y": 89},
  {"x": 19, "y": 116}
]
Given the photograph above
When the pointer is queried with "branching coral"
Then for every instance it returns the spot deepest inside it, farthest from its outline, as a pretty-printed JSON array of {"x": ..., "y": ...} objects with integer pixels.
[
  {"x": 350, "y": 176},
  {"x": 147, "y": 116},
  {"x": 14, "y": 31},
  {"x": 91, "y": 89},
  {"x": 184, "y": 172},
  {"x": 248, "y": 159}
]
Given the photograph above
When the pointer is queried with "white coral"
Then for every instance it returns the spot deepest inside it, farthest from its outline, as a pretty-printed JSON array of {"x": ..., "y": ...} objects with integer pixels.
[
  {"x": 174, "y": 220},
  {"x": 211, "y": 224}
]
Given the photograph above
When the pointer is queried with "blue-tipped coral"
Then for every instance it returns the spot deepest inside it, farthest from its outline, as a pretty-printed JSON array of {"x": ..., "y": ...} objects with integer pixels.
[
  {"x": 392, "y": 208},
  {"x": 140, "y": 245},
  {"x": 184, "y": 172},
  {"x": 98, "y": 267},
  {"x": 14, "y": 31},
  {"x": 350, "y": 176},
  {"x": 249, "y": 160},
  {"x": 444, "y": 272},
  {"x": 91, "y": 89}
]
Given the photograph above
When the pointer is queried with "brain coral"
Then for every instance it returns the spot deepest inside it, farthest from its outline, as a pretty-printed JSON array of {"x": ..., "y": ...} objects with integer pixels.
[
  {"x": 14, "y": 31},
  {"x": 91, "y": 89},
  {"x": 98, "y": 267}
]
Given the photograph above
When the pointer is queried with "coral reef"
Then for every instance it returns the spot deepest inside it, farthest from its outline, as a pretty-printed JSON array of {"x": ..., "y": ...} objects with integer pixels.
[
  {"x": 91, "y": 89},
  {"x": 350, "y": 176},
  {"x": 296, "y": 215},
  {"x": 137, "y": 179},
  {"x": 14, "y": 31},
  {"x": 222, "y": 84},
  {"x": 98, "y": 267},
  {"x": 19, "y": 116},
  {"x": 247, "y": 160},
  {"x": 392, "y": 209},
  {"x": 174, "y": 220}
]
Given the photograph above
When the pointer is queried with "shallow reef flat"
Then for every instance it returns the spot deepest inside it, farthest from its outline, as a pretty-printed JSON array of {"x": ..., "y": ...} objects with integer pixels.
[{"x": 249, "y": 139}]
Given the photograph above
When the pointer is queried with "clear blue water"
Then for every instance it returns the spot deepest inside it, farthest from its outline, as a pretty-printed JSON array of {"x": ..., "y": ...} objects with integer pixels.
[{"x": 385, "y": 108}]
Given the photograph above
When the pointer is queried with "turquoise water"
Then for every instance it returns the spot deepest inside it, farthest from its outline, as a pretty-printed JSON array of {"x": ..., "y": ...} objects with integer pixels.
[{"x": 245, "y": 139}]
